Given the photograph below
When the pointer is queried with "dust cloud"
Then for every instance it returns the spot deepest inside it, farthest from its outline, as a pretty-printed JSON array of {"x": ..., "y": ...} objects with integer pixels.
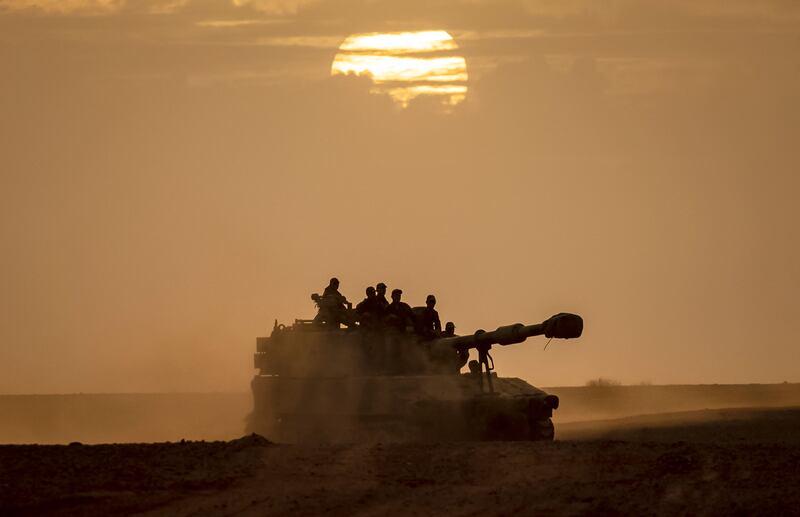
[
  {"x": 611, "y": 402},
  {"x": 122, "y": 418},
  {"x": 93, "y": 418}
]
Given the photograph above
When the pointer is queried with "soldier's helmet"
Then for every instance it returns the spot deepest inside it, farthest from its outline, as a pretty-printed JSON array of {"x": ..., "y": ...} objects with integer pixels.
[{"x": 335, "y": 281}]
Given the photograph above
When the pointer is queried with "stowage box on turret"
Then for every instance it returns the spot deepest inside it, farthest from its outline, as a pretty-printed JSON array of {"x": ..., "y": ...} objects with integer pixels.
[{"x": 319, "y": 382}]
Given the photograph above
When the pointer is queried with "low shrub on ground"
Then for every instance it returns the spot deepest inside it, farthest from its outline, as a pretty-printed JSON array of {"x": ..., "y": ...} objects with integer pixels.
[{"x": 602, "y": 382}]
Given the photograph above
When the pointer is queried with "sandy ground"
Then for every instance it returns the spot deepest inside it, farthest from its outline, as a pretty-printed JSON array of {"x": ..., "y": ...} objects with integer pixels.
[{"x": 731, "y": 461}]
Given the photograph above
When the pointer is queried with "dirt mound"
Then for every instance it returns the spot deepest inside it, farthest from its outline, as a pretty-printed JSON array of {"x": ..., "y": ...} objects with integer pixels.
[{"x": 251, "y": 440}]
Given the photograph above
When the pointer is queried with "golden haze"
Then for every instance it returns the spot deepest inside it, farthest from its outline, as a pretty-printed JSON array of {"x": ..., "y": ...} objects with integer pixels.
[{"x": 176, "y": 175}]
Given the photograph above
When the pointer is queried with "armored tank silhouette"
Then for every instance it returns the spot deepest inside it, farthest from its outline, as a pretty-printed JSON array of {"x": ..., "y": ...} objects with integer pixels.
[{"x": 320, "y": 382}]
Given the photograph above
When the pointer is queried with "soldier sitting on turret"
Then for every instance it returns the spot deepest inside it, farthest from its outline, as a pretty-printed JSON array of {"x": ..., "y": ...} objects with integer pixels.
[
  {"x": 332, "y": 291},
  {"x": 399, "y": 314},
  {"x": 381, "y": 297},
  {"x": 449, "y": 329},
  {"x": 368, "y": 311},
  {"x": 428, "y": 324},
  {"x": 333, "y": 306}
]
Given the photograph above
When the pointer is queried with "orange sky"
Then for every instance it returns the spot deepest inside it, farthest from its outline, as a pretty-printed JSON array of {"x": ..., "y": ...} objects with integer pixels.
[{"x": 176, "y": 174}]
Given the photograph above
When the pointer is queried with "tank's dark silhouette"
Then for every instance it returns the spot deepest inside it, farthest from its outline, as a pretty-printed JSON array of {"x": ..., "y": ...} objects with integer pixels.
[{"x": 317, "y": 381}]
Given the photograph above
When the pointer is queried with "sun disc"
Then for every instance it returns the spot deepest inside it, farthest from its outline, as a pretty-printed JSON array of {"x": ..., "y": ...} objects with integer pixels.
[{"x": 406, "y": 65}]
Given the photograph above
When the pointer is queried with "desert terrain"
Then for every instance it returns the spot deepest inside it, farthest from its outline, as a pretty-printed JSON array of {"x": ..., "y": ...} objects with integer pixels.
[
  {"x": 734, "y": 460},
  {"x": 162, "y": 417}
]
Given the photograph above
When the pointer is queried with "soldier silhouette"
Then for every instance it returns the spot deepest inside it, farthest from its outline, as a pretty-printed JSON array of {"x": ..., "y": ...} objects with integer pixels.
[
  {"x": 332, "y": 291},
  {"x": 428, "y": 324},
  {"x": 368, "y": 310},
  {"x": 381, "y": 296},
  {"x": 333, "y": 306},
  {"x": 449, "y": 329},
  {"x": 399, "y": 314}
]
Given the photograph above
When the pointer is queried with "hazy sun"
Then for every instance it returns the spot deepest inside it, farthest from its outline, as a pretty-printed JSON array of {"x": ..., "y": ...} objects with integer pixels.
[{"x": 406, "y": 65}]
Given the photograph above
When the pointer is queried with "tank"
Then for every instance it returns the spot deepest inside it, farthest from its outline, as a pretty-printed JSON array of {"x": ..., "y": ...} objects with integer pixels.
[{"x": 319, "y": 382}]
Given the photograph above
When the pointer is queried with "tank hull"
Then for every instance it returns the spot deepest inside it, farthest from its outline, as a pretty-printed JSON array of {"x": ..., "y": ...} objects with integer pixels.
[{"x": 398, "y": 408}]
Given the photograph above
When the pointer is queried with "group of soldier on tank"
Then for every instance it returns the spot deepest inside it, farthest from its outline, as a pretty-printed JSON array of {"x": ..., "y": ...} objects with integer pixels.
[{"x": 375, "y": 311}]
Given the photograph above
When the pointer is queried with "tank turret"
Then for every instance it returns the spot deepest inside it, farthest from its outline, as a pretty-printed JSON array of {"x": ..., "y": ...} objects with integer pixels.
[
  {"x": 561, "y": 326},
  {"x": 321, "y": 382}
]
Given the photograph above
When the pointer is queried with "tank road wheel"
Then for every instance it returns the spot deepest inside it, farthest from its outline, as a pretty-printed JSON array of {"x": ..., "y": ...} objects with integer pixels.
[{"x": 542, "y": 429}]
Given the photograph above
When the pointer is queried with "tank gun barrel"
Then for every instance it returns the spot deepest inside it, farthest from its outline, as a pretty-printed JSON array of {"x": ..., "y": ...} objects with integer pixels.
[{"x": 562, "y": 326}]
